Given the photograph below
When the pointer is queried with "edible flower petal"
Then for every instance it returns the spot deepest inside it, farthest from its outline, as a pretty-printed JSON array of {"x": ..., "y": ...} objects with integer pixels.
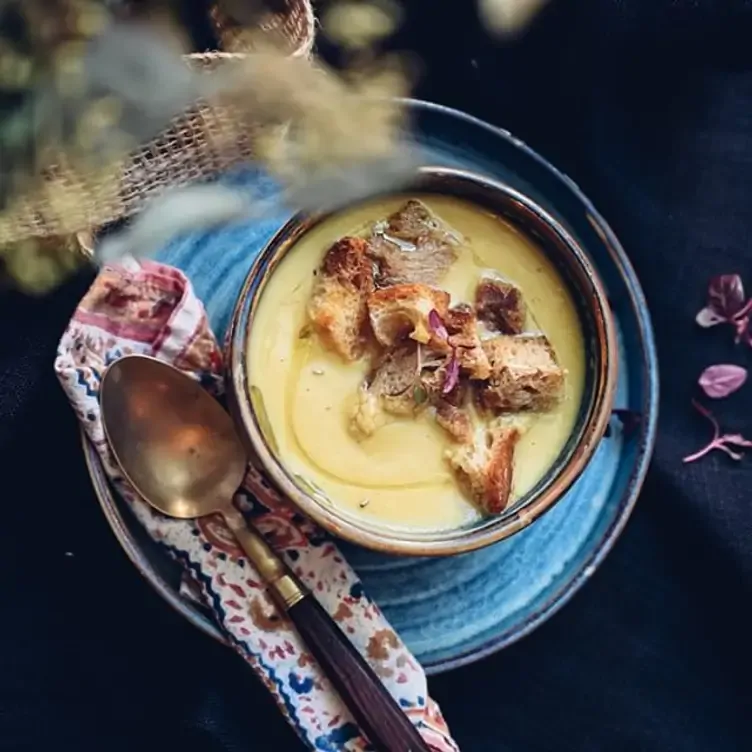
[
  {"x": 437, "y": 326},
  {"x": 452, "y": 373}
]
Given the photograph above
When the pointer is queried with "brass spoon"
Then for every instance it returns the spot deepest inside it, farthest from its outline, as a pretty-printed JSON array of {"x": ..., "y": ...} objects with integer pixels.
[{"x": 180, "y": 451}]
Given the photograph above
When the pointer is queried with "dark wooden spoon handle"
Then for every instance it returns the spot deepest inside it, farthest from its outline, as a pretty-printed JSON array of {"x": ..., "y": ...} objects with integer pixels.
[{"x": 380, "y": 717}]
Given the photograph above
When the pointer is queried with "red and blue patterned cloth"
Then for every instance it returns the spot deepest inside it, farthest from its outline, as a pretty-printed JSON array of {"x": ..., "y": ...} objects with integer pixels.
[{"x": 148, "y": 308}]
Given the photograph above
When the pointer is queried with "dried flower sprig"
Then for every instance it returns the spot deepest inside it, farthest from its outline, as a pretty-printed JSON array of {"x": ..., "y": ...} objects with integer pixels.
[
  {"x": 721, "y": 442},
  {"x": 87, "y": 89},
  {"x": 508, "y": 18},
  {"x": 37, "y": 265},
  {"x": 356, "y": 25},
  {"x": 92, "y": 87}
]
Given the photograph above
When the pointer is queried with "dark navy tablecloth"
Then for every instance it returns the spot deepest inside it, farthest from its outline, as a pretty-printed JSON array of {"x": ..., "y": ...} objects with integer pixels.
[{"x": 648, "y": 105}]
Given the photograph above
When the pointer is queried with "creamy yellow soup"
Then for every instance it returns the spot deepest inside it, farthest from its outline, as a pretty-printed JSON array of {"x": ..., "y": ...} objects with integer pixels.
[{"x": 398, "y": 477}]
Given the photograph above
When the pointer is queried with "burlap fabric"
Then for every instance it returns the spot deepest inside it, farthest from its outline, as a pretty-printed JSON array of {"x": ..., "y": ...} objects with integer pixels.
[
  {"x": 198, "y": 144},
  {"x": 294, "y": 29}
]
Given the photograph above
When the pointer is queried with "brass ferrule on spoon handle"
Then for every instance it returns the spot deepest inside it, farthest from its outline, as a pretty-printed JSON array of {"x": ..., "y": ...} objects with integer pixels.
[{"x": 283, "y": 585}]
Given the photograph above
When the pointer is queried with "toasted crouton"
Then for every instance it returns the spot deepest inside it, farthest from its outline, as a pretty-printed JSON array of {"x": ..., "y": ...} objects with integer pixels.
[
  {"x": 485, "y": 466},
  {"x": 402, "y": 311},
  {"x": 415, "y": 221},
  {"x": 390, "y": 388},
  {"x": 448, "y": 407},
  {"x": 434, "y": 380},
  {"x": 412, "y": 245},
  {"x": 454, "y": 420},
  {"x": 500, "y": 306},
  {"x": 338, "y": 308},
  {"x": 524, "y": 374},
  {"x": 462, "y": 327},
  {"x": 461, "y": 337},
  {"x": 395, "y": 379}
]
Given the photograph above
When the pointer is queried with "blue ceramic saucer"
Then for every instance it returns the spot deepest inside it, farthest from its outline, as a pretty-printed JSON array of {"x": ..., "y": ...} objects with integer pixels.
[{"x": 456, "y": 610}]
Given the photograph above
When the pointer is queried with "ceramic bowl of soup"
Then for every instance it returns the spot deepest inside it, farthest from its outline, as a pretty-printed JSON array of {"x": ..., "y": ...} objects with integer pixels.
[{"x": 424, "y": 373}]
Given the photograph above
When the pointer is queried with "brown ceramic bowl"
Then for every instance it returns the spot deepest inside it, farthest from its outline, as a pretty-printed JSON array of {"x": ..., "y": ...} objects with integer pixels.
[{"x": 590, "y": 299}]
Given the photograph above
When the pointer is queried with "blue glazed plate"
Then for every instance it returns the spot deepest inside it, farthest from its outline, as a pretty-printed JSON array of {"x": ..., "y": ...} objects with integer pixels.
[{"x": 456, "y": 610}]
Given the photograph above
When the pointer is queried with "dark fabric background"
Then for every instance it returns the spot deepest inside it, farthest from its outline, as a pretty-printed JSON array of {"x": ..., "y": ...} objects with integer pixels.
[{"x": 648, "y": 105}]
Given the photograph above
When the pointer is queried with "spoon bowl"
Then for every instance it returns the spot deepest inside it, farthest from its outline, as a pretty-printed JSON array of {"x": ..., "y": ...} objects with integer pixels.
[{"x": 175, "y": 444}]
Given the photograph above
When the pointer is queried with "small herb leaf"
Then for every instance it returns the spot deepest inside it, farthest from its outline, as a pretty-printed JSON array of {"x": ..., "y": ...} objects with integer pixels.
[
  {"x": 419, "y": 394},
  {"x": 722, "y": 380},
  {"x": 726, "y": 295},
  {"x": 736, "y": 439},
  {"x": 726, "y": 305}
]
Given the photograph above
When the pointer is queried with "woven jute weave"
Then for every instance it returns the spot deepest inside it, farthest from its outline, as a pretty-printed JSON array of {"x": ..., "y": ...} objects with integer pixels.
[
  {"x": 293, "y": 29},
  {"x": 198, "y": 144}
]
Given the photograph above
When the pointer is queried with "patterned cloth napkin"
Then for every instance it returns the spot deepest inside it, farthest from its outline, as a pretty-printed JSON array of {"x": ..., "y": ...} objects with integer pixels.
[{"x": 149, "y": 308}]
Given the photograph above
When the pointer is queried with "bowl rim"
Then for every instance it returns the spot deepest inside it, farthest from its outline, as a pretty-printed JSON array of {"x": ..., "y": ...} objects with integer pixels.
[{"x": 441, "y": 543}]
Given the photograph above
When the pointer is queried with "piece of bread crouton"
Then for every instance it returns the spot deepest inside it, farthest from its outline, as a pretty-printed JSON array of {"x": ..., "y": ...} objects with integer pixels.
[
  {"x": 500, "y": 306},
  {"x": 412, "y": 245},
  {"x": 448, "y": 407},
  {"x": 338, "y": 308},
  {"x": 389, "y": 388},
  {"x": 457, "y": 332},
  {"x": 524, "y": 374},
  {"x": 415, "y": 221},
  {"x": 454, "y": 420},
  {"x": 434, "y": 380},
  {"x": 462, "y": 327},
  {"x": 485, "y": 466},
  {"x": 402, "y": 311},
  {"x": 394, "y": 379}
]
